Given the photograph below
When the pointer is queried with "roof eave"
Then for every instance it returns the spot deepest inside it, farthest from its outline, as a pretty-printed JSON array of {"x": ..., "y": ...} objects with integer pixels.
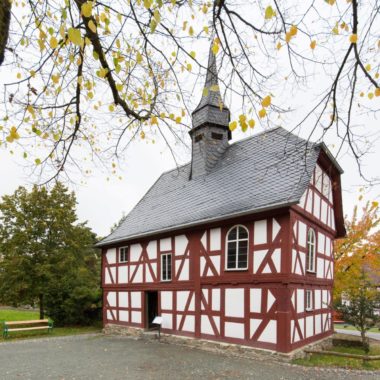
[{"x": 198, "y": 223}]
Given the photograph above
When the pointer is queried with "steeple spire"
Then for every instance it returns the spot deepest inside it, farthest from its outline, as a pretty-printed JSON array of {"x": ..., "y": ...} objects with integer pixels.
[
  {"x": 210, "y": 132},
  {"x": 211, "y": 108}
]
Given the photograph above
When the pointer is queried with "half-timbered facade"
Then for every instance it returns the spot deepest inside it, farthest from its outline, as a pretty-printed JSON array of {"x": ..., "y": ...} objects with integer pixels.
[{"x": 235, "y": 246}]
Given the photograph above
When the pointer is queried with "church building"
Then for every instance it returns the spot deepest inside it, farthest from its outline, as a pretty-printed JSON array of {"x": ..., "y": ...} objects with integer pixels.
[{"x": 237, "y": 245}]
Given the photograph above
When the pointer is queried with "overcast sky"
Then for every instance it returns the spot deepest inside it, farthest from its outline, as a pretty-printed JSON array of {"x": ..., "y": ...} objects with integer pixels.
[{"x": 102, "y": 202}]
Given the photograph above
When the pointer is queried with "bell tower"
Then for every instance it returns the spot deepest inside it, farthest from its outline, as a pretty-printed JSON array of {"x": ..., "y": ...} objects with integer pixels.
[{"x": 210, "y": 125}]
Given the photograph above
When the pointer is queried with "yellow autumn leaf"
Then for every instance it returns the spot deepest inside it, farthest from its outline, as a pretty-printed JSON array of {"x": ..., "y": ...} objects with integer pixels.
[
  {"x": 192, "y": 54},
  {"x": 269, "y": 13},
  {"x": 139, "y": 57},
  {"x": 368, "y": 67},
  {"x": 293, "y": 30},
  {"x": 313, "y": 44},
  {"x": 191, "y": 31},
  {"x": 37, "y": 161},
  {"x": 377, "y": 91},
  {"x": 233, "y": 125},
  {"x": 288, "y": 37},
  {"x": 214, "y": 88},
  {"x": 375, "y": 204},
  {"x": 53, "y": 42},
  {"x": 75, "y": 36},
  {"x": 262, "y": 113},
  {"x": 215, "y": 48},
  {"x": 370, "y": 95},
  {"x": 278, "y": 46},
  {"x": 154, "y": 120},
  {"x": 111, "y": 107},
  {"x": 87, "y": 9},
  {"x": 354, "y": 38},
  {"x": 178, "y": 119},
  {"x": 266, "y": 101},
  {"x": 142, "y": 135},
  {"x": 251, "y": 123},
  {"x": 92, "y": 26},
  {"x": 205, "y": 92},
  {"x": 102, "y": 72}
]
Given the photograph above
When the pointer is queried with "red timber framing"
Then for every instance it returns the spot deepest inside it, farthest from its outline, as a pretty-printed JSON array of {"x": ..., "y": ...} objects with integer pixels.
[{"x": 262, "y": 306}]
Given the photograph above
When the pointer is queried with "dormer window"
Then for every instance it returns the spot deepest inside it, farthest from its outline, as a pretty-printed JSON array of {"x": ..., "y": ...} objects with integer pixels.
[{"x": 237, "y": 248}]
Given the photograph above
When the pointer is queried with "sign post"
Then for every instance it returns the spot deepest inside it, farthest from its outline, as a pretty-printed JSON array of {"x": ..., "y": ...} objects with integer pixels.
[{"x": 158, "y": 321}]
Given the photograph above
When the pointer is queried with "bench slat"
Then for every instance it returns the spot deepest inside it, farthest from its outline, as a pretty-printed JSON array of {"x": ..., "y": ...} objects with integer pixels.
[
  {"x": 29, "y": 328},
  {"x": 36, "y": 321}
]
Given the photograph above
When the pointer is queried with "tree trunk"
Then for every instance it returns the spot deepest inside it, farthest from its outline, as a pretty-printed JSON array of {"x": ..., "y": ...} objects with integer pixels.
[
  {"x": 41, "y": 303},
  {"x": 365, "y": 341},
  {"x": 5, "y": 18}
]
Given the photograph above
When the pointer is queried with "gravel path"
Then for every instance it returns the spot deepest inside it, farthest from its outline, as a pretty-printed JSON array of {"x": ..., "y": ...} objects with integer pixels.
[{"x": 114, "y": 358}]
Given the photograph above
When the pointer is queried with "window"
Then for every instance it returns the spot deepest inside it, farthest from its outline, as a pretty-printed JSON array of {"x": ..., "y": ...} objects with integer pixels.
[
  {"x": 123, "y": 254},
  {"x": 237, "y": 248},
  {"x": 217, "y": 136},
  {"x": 309, "y": 300},
  {"x": 310, "y": 258},
  {"x": 199, "y": 137},
  {"x": 166, "y": 267}
]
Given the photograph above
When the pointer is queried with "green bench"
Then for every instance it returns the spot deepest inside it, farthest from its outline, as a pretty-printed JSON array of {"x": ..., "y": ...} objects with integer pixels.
[{"x": 38, "y": 324}]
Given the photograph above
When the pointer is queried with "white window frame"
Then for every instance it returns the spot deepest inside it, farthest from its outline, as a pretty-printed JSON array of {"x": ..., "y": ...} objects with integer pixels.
[
  {"x": 126, "y": 254},
  {"x": 237, "y": 240},
  {"x": 168, "y": 255},
  {"x": 309, "y": 304},
  {"x": 311, "y": 250}
]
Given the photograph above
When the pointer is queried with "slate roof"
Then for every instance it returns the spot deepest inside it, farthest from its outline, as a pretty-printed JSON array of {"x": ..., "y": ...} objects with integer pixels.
[{"x": 266, "y": 171}]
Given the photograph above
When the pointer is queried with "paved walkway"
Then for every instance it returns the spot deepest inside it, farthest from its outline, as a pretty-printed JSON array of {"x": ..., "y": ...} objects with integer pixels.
[
  {"x": 114, "y": 358},
  {"x": 372, "y": 335}
]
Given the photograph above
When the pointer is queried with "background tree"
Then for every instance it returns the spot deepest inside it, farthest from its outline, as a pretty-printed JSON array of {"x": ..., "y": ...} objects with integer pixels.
[
  {"x": 359, "y": 251},
  {"x": 357, "y": 270},
  {"x": 46, "y": 256},
  {"x": 358, "y": 308},
  {"x": 97, "y": 74}
]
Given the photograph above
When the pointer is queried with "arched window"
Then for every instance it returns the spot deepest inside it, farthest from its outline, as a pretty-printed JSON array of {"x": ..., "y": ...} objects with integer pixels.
[
  {"x": 310, "y": 258},
  {"x": 237, "y": 248}
]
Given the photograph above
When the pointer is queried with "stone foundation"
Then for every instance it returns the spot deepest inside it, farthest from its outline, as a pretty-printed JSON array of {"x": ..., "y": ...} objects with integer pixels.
[{"x": 212, "y": 346}]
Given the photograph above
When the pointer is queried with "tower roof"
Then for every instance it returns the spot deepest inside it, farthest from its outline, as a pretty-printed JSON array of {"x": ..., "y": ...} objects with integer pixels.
[{"x": 211, "y": 109}]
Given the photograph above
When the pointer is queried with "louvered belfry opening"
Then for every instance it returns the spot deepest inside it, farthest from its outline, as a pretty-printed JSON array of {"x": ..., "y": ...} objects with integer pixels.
[{"x": 210, "y": 120}]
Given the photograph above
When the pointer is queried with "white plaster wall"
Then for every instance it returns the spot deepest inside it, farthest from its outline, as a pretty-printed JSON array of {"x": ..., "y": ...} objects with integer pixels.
[
  {"x": 234, "y": 302},
  {"x": 271, "y": 300},
  {"x": 109, "y": 315},
  {"x": 152, "y": 250},
  {"x": 189, "y": 323},
  {"x": 234, "y": 330},
  {"x": 317, "y": 204},
  {"x": 123, "y": 275},
  {"x": 180, "y": 244},
  {"x": 301, "y": 234},
  {"x": 320, "y": 267},
  {"x": 258, "y": 257},
  {"x": 300, "y": 301},
  {"x": 166, "y": 244},
  {"x": 215, "y": 239},
  {"x": 317, "y": 299},
  {"x": 309, "y": 326},
  {"x": 276, "y": 227},
  {"x": 123, "y": 316},
  {"x": 108, "y": 278},
  {"x": 318, "y": 324},
  {"x": 134, "y": 252},
  {"x": 255, "y": 300},
  {"x": 123, "y": 299},
  {"x": 184, "y": 275},
  {"x": 269, "y": 334},
  {"x": 167, "y": 300},
  {"x": 111, "y": 255},
  {"x": 167, "y": 321},
  {"x": 111, "y": 298},
  {"x": 182, "y": 298},
  {"x": 136, "y": 317},
  {"x": 260, "y": 232},
  {"x": 136, "y": 300},
  {"x": 215, "y": 299},
  {"x": 276, "y": 258}
]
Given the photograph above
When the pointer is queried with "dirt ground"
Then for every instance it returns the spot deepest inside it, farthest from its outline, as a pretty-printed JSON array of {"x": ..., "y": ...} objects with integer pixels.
[{"x": 114, "y": 358}]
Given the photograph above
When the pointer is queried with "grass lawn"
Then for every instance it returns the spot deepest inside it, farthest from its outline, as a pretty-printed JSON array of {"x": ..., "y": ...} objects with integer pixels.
[
  {"x": 317, "y": 360},
  {"x": 341, "y": 326},
  {"x": 24, "y": 315}
]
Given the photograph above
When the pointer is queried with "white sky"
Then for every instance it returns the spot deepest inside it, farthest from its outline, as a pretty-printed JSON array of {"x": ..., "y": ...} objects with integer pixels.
[{"x": 102, "y": 202}]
